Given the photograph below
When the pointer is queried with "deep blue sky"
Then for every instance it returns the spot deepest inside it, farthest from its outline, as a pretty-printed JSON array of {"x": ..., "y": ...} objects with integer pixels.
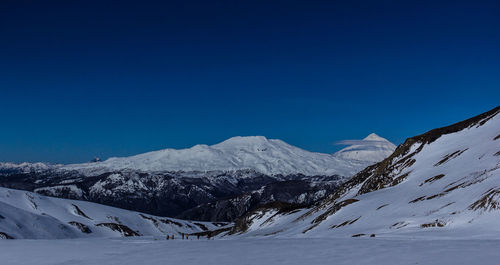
[{"x": 85, "y": 78}]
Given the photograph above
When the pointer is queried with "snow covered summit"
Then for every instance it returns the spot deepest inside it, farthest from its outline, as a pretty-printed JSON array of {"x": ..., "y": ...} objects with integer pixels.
[
  {"x": 267, "y": 156},
  {"x": 372, "y": 148}
]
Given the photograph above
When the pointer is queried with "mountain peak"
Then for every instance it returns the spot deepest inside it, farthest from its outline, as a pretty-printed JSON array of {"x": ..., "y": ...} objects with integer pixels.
[
  {"x": 372, "y": 148},
  {"x": 246, "y": 139},
  {"x": 245, "y": 142},
  {"x": 374, "y": 137}
]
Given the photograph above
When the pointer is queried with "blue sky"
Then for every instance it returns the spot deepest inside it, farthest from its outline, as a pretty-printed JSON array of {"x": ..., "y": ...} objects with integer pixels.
[{"x": 113, "y": 78}]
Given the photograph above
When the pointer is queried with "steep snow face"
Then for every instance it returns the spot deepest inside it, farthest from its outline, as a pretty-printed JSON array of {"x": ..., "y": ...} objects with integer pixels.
[
  {"x": 267, "y": 156},
  {"x": 445, "y": 182},
  {"x": 372, "y": 149},
  {"x": 30, "y": 215}
]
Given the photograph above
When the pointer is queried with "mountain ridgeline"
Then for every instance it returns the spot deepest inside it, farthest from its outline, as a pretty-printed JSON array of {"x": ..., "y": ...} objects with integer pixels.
[
  {"x": 209, "y": 183},
  {"x": 445, "y": 182}
]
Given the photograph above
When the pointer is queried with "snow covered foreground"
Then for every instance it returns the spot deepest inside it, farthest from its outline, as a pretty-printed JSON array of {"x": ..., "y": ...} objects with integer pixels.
[{"x": 249, "y": 251}]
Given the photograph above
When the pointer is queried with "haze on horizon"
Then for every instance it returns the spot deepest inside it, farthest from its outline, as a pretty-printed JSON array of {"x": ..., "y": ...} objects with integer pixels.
[{"x": 80, "y": 79}]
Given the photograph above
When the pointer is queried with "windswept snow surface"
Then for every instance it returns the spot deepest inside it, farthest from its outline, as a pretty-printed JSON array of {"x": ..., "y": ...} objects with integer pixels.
[
  {"x": 272, "y": 251},
  {"x": 267, "y": 156}
]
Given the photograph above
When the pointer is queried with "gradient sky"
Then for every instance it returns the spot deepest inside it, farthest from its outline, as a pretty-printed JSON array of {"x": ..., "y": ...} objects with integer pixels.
[{"x": 80, "y": 79}]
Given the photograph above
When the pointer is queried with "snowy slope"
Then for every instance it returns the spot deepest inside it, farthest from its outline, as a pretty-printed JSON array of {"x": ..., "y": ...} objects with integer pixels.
[
  {"x": 445, "y": 182},
  {"x": 30, "y": 215},
  {"x": 372, "y": 148},
  {"x": 267, "y": 156}
]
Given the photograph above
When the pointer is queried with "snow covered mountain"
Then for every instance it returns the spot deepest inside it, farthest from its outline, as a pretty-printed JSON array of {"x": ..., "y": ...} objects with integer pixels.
[
  {"x": 255, "y": 153},
  {"x": 30, "y": 215},
  {"x": 174, "y": 182},
  {"x": 372, "y": 149},
  {"x": 445, "y": 182},
  {"x": 267, "y": 156}
]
